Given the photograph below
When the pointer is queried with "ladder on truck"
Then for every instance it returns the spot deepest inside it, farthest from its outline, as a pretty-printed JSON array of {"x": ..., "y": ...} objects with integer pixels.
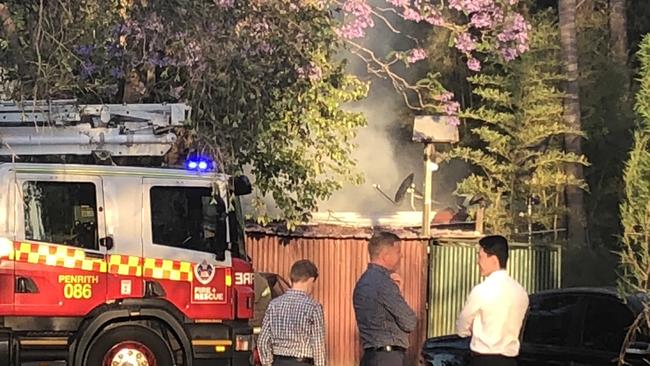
[{"x": 65, "y": 127}]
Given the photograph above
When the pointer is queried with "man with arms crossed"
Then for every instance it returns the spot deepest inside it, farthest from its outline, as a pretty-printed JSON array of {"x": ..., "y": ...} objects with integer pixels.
[
  {"x": 495, "y": 309},
  {"x": 293, "y": 329},
  {"x": 383, "y": 316}
]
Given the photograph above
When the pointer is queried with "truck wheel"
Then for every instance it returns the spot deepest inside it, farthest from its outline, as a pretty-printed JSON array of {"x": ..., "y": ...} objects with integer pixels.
[{"x": 128, "y": 345}]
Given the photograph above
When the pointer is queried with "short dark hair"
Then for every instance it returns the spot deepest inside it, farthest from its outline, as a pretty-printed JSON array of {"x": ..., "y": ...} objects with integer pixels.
[
  {"x": 303, "y": 270},
  {"x": 380, "y": 240},
  {"x": 496, "y": 245}
]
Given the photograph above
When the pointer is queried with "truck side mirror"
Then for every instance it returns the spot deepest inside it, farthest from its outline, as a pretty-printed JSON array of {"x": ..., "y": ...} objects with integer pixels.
[{"x": 242, "y": 185}]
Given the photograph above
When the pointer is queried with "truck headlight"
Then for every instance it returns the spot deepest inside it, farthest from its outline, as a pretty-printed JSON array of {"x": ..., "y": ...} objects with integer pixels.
[{"x": 6, "y": 248}]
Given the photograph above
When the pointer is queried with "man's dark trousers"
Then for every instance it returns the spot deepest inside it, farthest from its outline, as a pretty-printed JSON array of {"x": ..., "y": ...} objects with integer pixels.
[
  {"x": 382, "y": 358},
  {"x": 281, "y": 361},
  {"x": 492, "y": 360}
]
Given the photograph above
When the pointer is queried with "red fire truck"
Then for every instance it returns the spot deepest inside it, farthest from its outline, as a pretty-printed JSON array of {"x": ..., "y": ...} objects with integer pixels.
[{"x": 106, "y": 263}]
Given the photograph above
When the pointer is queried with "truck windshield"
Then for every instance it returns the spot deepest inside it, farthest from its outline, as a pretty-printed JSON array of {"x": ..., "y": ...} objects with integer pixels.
[{"x": 188, "y": 217}]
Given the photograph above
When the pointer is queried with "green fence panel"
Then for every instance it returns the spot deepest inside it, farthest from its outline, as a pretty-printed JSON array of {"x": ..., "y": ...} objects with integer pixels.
[{"x": 453, "y": 272}]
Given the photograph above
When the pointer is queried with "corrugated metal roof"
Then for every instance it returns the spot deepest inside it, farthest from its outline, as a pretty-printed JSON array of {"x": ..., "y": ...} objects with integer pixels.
[{"x": 355, "y": 232}]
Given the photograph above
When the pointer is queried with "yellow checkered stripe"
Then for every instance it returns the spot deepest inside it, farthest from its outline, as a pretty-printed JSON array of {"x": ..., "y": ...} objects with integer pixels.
[
  {"x": 57, "y": 256},
  {"x": 123, "y": 265},
  {"x": 167, "y": 269}
]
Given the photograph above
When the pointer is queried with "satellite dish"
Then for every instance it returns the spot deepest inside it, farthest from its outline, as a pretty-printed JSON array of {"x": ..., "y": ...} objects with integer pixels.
[
  {"x": 403, "y": 188},
  {"x": 477, "y": 200}
]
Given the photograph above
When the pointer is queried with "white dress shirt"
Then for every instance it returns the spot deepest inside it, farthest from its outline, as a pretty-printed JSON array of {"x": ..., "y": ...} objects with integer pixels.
[{"x": 493, "y": 315}]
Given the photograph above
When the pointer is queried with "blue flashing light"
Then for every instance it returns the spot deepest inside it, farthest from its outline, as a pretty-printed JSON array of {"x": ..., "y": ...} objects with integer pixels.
[{"x": 199, "y": 164}]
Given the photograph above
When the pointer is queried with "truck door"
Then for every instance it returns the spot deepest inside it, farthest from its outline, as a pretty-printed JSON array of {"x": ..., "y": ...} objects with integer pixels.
[
  {"x": 184, "y": 240},
  {"x": 6, "y": 243},
  {"x": 60, "y": 267}
]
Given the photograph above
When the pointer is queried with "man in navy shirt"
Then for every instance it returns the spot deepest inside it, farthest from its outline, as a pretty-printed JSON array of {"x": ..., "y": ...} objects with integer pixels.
[{"x": 383, "y": 316}]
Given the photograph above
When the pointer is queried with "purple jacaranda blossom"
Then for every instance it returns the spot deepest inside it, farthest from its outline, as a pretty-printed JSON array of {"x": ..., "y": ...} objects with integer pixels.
[
  {"x": 470, "y": 6},
  {"x": 482, "y": 20},
  {"x": 114, "y": 50},
  {"x": 444, "y": 97},
  {"x": 128, "y": 28},
  {"x": 225, "y": 3},
  {"x": 176, "y": 92},
  {"x": 435, "y": 19},
  {"x": 453, "y": 121},
  {"x": 474, "y": 64},
  {"x": 362, "y": 19},
  {"x": 87, "y": 69},
  {"x": 264, "y": 48},
  {"x": 415, "y": 55},
  {"x": 261, "y": 29},
  {"x": 119, "y": 29},
  {"x": 85, "y": 51},
  {"x": 431, "y": 15},
  {"x": 315, "y": 73},
  {"x": 154, "y": 23},
  {"x": 508, "y": 54},
  {"x": 515, "y": 28},
  {"x": 410, "y": 14},
  {"x": 451, "y": 108},
  {"x": 193, "y": 53},
  {"x": 117, "y": 73},
  {"x": 159, "y": 59},
  {"x": 351, "y": 31},
  {"x": 513, "y": 39},
  {"x": 312, "y": 72},
  {"x": 465, "y": 42}
]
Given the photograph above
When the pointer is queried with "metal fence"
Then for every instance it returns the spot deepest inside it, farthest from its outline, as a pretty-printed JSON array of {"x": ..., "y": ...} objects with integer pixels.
[
  {"x": 453, "y": 272},
  {"x": 341, "y": 261}
]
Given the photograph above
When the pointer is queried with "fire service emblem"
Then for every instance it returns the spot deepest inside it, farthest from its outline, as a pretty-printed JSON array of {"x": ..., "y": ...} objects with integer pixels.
[{"x": 204, "y": 272}]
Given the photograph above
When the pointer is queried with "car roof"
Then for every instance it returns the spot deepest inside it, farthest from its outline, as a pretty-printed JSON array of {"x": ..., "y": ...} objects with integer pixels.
[
  {"x": 609, "y": 291},
  {"x": 633, "y": 301}
]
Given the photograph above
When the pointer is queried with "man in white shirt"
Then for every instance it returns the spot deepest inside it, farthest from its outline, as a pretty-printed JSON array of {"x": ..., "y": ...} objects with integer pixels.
[{"x": 495, "y": 309}]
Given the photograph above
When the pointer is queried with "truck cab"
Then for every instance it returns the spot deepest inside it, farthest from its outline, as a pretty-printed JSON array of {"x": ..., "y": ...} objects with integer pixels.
[{"x": 119, "y": 265}]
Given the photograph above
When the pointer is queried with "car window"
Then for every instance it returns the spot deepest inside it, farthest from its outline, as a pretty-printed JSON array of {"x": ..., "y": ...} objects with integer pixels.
[
  {"x": 549, "y": 320},
  {"x": 188, "y": 217},
  {"x": 284, "y": 285},
  {"x": 605, "y": 325},
  {"x": 61, "y": 213}
]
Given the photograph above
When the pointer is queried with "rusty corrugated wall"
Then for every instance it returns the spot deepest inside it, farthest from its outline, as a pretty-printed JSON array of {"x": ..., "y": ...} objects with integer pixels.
[
  {"x": 454, "y": 272},
  {"x": 341, "y": 261}
]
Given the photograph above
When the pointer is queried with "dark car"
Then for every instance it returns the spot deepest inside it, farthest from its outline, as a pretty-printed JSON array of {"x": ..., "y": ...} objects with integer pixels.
[
  {"x": 577, "y": 327},
  {"x": 277, "y": 284}
]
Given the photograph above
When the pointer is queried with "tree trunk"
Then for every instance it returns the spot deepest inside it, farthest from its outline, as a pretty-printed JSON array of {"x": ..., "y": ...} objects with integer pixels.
[
  {"x": 618, "y": 31},
  {"x": 574, "y": 195},
  {"x": 618, "y": 42},
  {"x": 8, "y": 31}
]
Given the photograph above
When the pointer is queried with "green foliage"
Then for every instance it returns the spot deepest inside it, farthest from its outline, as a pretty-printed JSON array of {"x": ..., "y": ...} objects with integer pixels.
[
  {"x": 607, "y": 119},
  {"x": 635, "y": 209},
  {"x": 263, "y": 80},
  {"x": 520, "y": 128}
]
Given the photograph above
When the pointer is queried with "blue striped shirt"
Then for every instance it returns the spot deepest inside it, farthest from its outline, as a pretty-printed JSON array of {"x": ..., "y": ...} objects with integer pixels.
[{"x": 383, "y": 316}]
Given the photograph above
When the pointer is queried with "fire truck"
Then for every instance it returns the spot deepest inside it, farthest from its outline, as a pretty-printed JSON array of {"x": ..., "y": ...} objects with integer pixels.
[{"x": 107, "y": 263}]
